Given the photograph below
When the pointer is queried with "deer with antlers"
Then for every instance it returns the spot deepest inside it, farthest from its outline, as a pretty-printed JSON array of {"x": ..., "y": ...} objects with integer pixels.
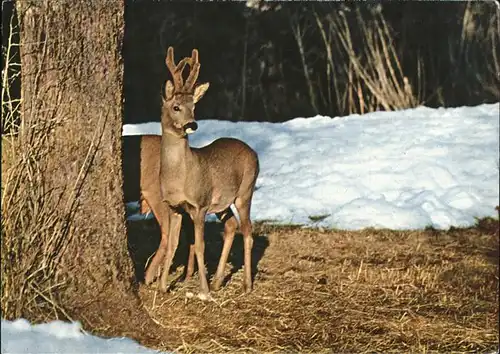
[{"x": 218, "y": 178}]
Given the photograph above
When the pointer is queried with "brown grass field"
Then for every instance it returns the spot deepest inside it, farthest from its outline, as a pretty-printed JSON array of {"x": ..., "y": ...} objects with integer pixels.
[{"x": 336, "y": 291}]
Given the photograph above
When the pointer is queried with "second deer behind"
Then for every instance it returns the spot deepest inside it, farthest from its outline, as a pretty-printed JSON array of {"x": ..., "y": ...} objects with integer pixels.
[{"x": 202, "y": 180}]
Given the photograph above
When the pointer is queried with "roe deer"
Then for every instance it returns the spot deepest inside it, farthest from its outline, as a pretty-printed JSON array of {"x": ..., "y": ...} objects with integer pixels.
[
  {"x": 205, "y": 180},
  {"x": 151, "y": 201}
]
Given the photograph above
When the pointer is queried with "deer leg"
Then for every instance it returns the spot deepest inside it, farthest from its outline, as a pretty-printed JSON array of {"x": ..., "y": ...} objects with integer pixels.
[
  {"x": 174, "y": 231},
  {"x": 190, "y": 266},
  {"x": 162, "y": 218},
  {"x": 246, "y": 229},
  {"x": 152, "y": 270},
  {"x": 199, "y": 246},
  {"x": 230, "y": 227},
  {"x": 187, "y": 226}
]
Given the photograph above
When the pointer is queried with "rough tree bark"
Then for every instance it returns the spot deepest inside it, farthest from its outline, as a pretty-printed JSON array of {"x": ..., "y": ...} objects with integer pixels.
[{"x": 72, "y": 78}]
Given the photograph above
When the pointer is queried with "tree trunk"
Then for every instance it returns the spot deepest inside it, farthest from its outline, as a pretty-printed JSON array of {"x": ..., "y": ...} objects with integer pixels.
[{"x": 72, "y": 79}]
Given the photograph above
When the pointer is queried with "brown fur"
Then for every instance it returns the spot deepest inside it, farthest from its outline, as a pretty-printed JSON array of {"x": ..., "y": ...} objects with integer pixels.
[
  {"x": 151, "y": 202},
  {"x": 204, "y": 180}
]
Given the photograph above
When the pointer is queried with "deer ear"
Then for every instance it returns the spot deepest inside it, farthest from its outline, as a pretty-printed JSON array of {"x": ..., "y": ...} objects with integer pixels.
[
  {"x": 169, "y": 90},
  {"x": 200, "y": 90}
]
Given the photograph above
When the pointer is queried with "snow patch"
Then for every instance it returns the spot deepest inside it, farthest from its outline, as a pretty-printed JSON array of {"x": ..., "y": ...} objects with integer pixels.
[
  {"x": 403, "y": 170},
  {"x": 59, "y": 337}
]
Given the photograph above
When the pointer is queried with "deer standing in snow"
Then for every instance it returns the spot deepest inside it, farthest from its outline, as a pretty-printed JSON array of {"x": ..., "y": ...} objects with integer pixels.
[{"x": 202, "y": 180}]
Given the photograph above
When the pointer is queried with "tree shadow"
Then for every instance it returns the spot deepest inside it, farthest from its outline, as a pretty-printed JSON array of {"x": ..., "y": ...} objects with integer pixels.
[{"x": 144, "y": 237}]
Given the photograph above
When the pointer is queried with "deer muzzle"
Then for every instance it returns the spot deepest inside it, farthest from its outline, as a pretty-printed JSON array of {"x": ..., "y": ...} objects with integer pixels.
[{"x": 190, "y": 127}]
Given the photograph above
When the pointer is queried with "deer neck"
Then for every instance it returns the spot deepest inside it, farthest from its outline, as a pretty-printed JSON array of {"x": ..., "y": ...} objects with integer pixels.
[{"x": 175, "y": 154}]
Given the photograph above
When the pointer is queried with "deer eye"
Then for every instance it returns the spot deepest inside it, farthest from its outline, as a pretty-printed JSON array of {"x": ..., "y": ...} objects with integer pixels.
[{"x": 177, "y": 108}]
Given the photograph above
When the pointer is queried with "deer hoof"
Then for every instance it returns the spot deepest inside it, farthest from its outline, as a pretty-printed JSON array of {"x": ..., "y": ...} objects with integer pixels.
[
  {"x": 247, "y": 289},
  {"x": 188, "y": 277},
  {"x": 150, "y": 275},
  {"x": 216, "y": 285},
  {"x": 163, "y": 286},
  {"x": 205, "y": 296},
  {"x": 148, "y": 279}
]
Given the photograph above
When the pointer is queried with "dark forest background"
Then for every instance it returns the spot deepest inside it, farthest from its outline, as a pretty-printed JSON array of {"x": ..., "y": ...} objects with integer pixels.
[{"x": 274, "y": 61}]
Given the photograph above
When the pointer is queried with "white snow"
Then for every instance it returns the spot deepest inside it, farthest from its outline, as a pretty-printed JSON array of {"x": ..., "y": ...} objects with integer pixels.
[
  {"x": 401, "y": 170},
  {"x": 55, "y": 337}
]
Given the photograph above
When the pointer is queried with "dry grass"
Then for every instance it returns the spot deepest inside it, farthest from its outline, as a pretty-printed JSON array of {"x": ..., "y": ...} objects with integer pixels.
[{"x": 323, "y": 291}]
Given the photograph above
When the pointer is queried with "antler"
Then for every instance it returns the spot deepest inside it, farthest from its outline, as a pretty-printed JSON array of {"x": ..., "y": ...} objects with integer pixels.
[
  {"x": 194, "y": 64},
  {"x": 176, "y": 70}
]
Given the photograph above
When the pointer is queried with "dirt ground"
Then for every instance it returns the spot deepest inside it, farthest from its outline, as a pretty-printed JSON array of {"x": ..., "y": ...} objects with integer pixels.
[{"x": 333, "y": 291}]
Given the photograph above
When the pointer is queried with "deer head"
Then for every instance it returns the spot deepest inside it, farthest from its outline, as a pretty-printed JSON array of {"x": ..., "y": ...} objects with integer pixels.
[{"x": 180, "y": 98}]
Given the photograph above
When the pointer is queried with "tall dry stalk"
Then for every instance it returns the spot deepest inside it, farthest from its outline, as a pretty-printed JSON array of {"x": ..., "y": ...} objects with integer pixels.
[
  {"x": 378, "y": 79},
  {"x": 298, "y": 31},
  {"x": 331, "y": 79},
  {"x": 11, "y": 72}
]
